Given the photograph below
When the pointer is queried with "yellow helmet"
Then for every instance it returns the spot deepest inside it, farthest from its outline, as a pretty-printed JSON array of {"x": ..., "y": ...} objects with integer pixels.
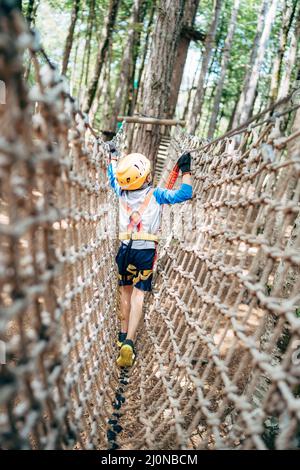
[{"x": 132, "y": 171}]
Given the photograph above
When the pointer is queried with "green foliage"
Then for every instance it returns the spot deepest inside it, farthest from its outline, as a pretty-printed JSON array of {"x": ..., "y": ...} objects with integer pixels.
[{"x": 53, "y": 19}]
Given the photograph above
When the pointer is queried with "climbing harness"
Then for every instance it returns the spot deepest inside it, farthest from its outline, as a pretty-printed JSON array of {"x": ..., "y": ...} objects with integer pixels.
[
  {"x": 135, "y": 220},
  {"x": 136, "y": 275},
  {"x": 138, "y": 236}
]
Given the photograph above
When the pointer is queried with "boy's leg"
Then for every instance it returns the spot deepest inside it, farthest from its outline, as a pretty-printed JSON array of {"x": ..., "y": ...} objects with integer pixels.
[
  {"x": 136, "y": 312},
  {"x": 126, "y": 285},
  {"x": 127, "y": 352},
  {"x": 142, "y": 262},
  {"x": 126, "y": 292}
]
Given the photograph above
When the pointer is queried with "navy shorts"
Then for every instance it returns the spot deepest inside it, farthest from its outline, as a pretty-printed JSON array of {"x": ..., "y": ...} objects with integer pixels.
[{"x": 136, "y": 267}]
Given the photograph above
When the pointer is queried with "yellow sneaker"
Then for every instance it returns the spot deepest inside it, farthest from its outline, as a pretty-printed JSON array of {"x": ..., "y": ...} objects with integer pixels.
[{"x": 127, "y": 355}]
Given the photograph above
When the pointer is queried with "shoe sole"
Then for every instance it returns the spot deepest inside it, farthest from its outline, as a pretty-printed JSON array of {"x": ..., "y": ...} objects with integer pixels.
[{"x": 125, "y": 358}]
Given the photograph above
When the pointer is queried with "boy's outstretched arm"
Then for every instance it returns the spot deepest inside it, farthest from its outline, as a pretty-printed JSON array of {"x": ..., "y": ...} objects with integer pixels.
[{"x": 185, "y": 192}]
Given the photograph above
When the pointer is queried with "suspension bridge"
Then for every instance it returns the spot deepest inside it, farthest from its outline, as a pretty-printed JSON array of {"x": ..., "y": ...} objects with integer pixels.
[{"x": 218, "y": 354}]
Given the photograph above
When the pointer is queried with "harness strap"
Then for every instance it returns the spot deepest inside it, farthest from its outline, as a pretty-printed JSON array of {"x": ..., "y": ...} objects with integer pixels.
[
  {"x": 138, "y": 236},
  {"x": 146, "y": 201},
  {"x": 142, "y": 207},
  {"x": 138, "y": 211}
]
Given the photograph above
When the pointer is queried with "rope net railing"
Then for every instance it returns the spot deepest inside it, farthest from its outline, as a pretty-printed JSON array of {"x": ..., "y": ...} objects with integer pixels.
[
  {"x": 218, "y": 353},
  {"x": 57, "y": 273},
  {"x": 219, "y": 365}
]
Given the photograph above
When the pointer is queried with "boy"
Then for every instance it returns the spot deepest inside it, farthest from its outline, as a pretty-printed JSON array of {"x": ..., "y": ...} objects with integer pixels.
[{"x": 139, "y": 221}]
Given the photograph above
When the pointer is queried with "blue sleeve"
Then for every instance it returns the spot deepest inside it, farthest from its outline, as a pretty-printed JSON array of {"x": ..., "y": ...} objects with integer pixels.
[
  {"x": 112, "y": 179},
  {"x": 173, "y": 196}
]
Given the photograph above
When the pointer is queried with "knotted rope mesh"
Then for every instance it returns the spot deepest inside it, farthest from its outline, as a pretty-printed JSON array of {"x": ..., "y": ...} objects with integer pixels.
[
  {"x": 217, "y": 363},
  {"x": 57, "y": 273}
]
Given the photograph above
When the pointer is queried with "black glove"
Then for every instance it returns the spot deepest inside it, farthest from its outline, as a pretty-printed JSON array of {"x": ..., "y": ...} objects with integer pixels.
[
  {"x": 184, "y": 162},
  {"x": 111, "y": 148}
]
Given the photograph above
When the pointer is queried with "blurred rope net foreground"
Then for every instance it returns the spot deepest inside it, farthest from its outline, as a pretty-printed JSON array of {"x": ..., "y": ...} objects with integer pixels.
[{"x": 218, "y": 355}]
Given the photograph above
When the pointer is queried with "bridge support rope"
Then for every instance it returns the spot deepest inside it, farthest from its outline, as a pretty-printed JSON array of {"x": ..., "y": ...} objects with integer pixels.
[{"x": 114, "y": 425}]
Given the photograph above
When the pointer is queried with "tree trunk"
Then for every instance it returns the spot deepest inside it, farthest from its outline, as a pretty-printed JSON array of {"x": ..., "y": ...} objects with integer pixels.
[
  {"x": 30, "y": 17},
  {"x": 73, "y": 72},
  {"x": 194, "y": 87},
  {"x": 188, "y": 101},
  {"x": 249, "y": 97},
  {"x": 126, "y": 64},
  {"x": 102, "y": 99},
  {"x": 102, "y": 52},
  {"x": 246, "y": 101},
  {"x": 87, "y": 47},
  {"x": 132, "y": 88},
  {"x": 106, "y": 98},
  {"x": 224, "y": 64},
  {"x": 210, "y": 102},
  {"x": 89, "y": 40},
  {"x": 189, "y": 15},
  {"x": 291, "y": 59},
  {"x": 233, "y": 113},
  {"x": 145, "y": 51},
  {"x": 158, "y": 73},
  {"x": 70, "y": 36},
  {"x": 194, "y": 116},
  {"x": 288, "y": 12},
  {"x": 239, "y": 104}
]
